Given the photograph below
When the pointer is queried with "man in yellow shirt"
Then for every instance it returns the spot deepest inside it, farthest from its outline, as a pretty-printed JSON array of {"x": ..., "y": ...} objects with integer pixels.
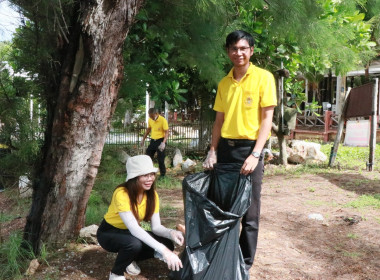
[
  {"x": 159, "y": 129},
  {"x": 244, "y": 106}
]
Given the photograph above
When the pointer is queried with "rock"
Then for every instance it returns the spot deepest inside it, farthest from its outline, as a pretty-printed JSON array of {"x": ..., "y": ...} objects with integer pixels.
[
  {"x": 188, "y": 165},
  {"x": 34, "y": 264},
  {"x": 315, "y": 216},
  {"x": 305, "y": 152},
  {"x": 177, "y": 159},
  {"x": 25, "y": 187},
  {"x": 122, "y": 156},
  {"x": 167, "y": 161},
  {"x": 89, "y": 234},
  {"x": 351, "y": 220}
]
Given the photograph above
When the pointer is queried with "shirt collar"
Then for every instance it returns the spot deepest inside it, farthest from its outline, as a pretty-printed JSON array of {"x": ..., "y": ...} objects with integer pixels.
[{"x": 249, "y": 71}]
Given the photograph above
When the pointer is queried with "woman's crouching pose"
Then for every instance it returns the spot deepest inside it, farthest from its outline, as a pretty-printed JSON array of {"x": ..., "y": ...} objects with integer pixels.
[{"x": 120, "y": 231}]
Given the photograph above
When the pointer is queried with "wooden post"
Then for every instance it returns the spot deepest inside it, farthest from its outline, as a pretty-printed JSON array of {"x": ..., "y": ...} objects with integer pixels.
[
  {"x": 327, "y": 120},
  {"x": 372, "y": 141},
  {"x": 334, "y": 149}
]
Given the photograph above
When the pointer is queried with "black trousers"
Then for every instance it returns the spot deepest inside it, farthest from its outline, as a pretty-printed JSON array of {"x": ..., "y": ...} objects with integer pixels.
[
  {"x": 237, "y": 150},
  {"x": 127, "y": 247},
  {"x": 152, "y": 149}
]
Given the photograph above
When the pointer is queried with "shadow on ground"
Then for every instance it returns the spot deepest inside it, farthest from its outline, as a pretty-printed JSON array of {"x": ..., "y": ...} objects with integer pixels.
[{"x": 354, "y": 182}]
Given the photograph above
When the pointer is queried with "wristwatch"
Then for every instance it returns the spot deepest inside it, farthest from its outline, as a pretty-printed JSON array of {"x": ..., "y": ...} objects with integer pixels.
[{"x": 256, "y": 154}]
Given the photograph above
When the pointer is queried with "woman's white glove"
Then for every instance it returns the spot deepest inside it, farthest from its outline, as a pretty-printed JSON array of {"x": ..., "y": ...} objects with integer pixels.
[
  {"x": 172, "y": 260},
  {"x": 177, "y": 237},
  {"x": 210, "y": 160},
  {"x": 161, "y": 147}
]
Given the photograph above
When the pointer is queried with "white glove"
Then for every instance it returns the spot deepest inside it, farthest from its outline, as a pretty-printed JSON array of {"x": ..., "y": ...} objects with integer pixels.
[
  {"x": 210, "y": 160},
  {"x": 177, "y": 237},
  {"x": 161, "y": 147},
  {"x": 174, "y": 263}
]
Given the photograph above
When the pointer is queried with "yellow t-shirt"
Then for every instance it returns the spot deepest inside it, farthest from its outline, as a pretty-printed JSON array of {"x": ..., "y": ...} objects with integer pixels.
[
  {"x": 241, "y": 102},
  {"x": 158, "y": 127},
  {"x": 120, "y": 203}
]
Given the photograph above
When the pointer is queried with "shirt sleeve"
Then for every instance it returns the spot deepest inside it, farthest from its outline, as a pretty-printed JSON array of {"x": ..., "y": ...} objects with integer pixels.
[
  {"x": 122, "y": 202},
  {"x": 218, "y": 105},
  {"x": 149, "y": 125},
  {"x": 268, "y": 91},
  {"x": 157, "y": 207},
  {"x": 165, "y": 125},
  {"x": 131, "y": 223}
]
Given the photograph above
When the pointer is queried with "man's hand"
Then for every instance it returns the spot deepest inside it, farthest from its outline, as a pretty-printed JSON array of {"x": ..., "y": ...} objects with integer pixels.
[
  {"x": 161, "y": 147},
  {"x": 142, "y": 143},
  {"x": 210, "y": 160},
  {"x": 249, "y": 165}
]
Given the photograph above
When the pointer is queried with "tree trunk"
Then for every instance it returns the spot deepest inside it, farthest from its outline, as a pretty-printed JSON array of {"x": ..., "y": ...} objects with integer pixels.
[{"x": 91, "y": 74}]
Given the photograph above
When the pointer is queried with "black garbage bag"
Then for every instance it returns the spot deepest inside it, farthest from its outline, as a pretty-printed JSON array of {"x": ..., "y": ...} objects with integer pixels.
[{"x": 214, "y": 203}]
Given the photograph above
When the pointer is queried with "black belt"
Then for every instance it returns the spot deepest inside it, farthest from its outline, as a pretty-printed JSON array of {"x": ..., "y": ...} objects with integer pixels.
[{"x": 238, "y": 142}]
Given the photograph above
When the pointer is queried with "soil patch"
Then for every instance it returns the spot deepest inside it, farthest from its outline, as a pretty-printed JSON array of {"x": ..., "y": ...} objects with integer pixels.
[{"x": 344, "y": 245}]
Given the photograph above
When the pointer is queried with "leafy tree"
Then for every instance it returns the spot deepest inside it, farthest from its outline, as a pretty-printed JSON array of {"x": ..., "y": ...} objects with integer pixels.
[
  {"x": 73, "y": 49},
  {"x": 19, "y": 130},
  {"x": 163, "y": 51}
]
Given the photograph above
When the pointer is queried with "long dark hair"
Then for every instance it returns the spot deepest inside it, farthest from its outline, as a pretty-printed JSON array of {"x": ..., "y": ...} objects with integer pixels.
[{"x": 132, "y": 188}]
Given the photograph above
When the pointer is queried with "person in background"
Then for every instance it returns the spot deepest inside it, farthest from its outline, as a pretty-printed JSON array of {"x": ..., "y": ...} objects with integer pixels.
[
  {"x": 159, "y": 129},
  {"x": 120, "y": 231},
  {"x": 244, "y": 106}
]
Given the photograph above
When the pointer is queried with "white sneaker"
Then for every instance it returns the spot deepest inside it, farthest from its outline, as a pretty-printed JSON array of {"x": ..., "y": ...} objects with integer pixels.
[
  {"x": 116, "y": 277},
  {"x": 133, "y": 269}
]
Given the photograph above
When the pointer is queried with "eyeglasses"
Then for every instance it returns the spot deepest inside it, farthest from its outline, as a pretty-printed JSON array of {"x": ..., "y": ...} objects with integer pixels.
[{"x": 236, "y": 49}]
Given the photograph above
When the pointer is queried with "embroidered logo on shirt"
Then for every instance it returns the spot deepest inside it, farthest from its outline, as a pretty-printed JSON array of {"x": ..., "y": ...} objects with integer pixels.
[{"x": 248, "y": 101}]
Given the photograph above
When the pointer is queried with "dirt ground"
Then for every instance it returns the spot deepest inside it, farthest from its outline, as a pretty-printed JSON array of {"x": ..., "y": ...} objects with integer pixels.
[{"x": 345, "y": 245}]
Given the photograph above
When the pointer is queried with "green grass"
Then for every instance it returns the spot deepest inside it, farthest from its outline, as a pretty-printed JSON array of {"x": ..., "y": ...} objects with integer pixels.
[
  {"x": 14, "y": 259},
  {"x": 365, "y": 201},
  {"x": 110, "y": 174},
  {"x": 168, "y": 211},
  {"x": 5, "y": 217},
  {"x": 352, "y": 236},
  {"x": 168, "y": 182},
  {"x": 347, "y": 158},
  {"x": 353, "y": 255},
  {"x": 351, "y": 157}
]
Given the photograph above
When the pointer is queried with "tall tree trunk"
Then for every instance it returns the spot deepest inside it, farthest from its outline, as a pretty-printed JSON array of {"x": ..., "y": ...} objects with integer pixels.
[{"x": 90, "y": 78}]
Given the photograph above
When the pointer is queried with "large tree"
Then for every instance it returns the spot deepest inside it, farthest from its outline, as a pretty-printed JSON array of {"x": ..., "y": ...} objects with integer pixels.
[{"x": 79, "y": 49}]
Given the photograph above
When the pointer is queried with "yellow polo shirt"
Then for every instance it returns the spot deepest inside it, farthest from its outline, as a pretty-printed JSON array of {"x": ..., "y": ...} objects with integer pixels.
[
  {"x": 158, "y": 127},
  {"x": 241, "y": 102},
  {"x": 120, "y": 203}
]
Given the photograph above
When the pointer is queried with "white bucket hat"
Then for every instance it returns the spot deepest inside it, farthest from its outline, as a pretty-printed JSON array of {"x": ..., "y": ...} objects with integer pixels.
[{"x": 139, "y": 165}]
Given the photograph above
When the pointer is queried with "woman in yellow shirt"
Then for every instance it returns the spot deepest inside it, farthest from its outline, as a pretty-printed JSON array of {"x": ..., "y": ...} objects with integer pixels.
[{"x": 120, "y": 232}]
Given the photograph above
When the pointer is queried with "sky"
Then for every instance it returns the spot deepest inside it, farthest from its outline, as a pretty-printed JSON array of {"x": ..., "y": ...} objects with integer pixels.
[{"x": 9, "y": 20}]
